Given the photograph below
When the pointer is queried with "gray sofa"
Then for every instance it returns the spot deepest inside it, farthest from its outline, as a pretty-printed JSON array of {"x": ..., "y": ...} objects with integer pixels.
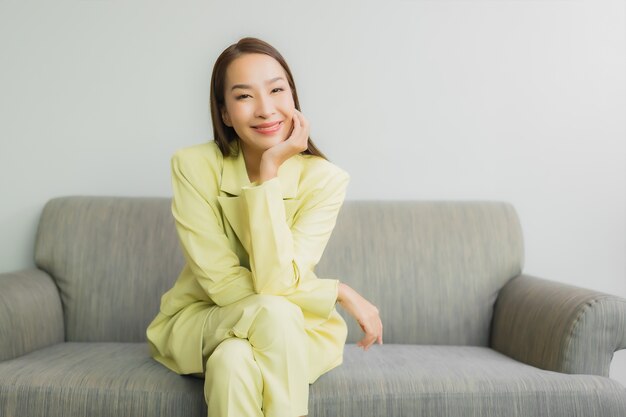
[{"x": 466, "y": 333}]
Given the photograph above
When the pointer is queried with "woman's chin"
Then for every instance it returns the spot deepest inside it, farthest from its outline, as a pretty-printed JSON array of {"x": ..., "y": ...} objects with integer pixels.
[
  {"x": 267, "y": 141},
  {"x": 264, "y": 143}
]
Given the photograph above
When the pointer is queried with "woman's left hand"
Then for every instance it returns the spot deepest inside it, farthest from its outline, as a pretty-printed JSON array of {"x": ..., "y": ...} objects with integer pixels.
[
  {"x": 365, "y": 313},
  {"x": 297, "y": 142}
]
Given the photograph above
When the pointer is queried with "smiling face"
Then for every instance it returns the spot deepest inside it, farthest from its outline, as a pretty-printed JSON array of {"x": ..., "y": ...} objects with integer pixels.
[{"x": 258, "y": 103}]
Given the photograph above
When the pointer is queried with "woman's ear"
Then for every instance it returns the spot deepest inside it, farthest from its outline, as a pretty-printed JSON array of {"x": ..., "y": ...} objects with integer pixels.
[{"x": 226, "y": 118}]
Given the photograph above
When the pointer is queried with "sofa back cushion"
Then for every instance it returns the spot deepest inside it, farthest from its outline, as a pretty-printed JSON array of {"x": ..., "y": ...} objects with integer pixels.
[
  {"x": 112, "y": 258},
  {"x": 433, "y": 269}
]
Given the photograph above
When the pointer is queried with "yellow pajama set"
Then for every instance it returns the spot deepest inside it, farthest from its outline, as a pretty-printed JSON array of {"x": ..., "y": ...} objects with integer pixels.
[{"x": 248, "y": 312}]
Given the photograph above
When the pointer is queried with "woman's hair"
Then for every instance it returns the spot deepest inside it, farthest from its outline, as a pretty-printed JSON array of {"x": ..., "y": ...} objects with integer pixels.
[{"x": 225, "y": 135}]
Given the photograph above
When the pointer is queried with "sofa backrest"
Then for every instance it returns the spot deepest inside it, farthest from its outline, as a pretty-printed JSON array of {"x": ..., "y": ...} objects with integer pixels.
[
  {"x": 112, "y": 258},
  {"x": 432, "y": 268}
]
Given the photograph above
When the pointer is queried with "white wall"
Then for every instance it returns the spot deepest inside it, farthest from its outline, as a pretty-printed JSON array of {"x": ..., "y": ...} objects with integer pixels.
[{"x": 523, "y": 101}]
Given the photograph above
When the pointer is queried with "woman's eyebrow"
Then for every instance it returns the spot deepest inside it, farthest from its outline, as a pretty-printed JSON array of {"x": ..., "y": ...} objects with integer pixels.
[{"x": 244, "y": 86}]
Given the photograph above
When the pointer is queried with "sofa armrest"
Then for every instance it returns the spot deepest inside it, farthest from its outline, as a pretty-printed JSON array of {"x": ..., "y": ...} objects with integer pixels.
[
  {"x": 31, "y": 316},
  {"x": 558, "y": 327}
]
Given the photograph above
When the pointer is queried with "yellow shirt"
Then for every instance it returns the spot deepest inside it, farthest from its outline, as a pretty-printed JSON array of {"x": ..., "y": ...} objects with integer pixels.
[{"x": 240, "y": 238}]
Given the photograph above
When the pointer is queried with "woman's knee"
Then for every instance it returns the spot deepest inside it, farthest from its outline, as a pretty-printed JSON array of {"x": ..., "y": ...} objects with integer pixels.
[
  {"x": 277, "y": 310},
  {"x": 233, "y": 380},
  {"x": 229, "y": 356}
]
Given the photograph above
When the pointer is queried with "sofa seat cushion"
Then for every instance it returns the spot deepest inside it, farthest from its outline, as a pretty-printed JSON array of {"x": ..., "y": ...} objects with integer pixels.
[
  {"x": 120, "y": 379},
  {"x": 456, "y": 381},
  {"x": 96, "y": 379}
]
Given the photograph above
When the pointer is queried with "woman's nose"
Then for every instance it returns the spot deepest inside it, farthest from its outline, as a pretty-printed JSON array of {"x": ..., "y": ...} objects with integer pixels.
[{"x": 265, "y": 106}]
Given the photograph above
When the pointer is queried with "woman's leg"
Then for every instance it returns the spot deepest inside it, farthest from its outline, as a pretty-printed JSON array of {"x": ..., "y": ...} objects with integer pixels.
[
  {"x": 233, "y": 383},
  {"x": 274, "y": 327},
  {"x": 327, "y": 339}
]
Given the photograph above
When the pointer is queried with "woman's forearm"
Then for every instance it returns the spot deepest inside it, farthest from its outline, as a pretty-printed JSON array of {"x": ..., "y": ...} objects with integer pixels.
[
  {"x": 365, "y": 313},
  {"x": 342, "y": 293}
]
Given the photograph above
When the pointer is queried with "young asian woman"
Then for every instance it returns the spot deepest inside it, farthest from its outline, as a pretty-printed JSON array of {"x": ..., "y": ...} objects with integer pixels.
[{"x": 254, "y": 209}]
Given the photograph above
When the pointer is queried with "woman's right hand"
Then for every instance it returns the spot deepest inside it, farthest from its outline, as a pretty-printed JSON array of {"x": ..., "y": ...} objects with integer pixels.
[
  {"x": 295, "y": 143},
  {"x": 364, "y": 312}
]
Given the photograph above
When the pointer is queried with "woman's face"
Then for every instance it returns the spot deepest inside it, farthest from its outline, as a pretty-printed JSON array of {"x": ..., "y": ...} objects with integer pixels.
[{"x": 257, "y": 92}]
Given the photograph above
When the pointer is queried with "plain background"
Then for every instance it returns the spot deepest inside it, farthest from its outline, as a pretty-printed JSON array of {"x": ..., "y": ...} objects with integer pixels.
[{"x": 520, "y": 101}]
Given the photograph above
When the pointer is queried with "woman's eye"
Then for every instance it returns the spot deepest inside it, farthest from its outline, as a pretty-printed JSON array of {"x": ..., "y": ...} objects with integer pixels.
[{"x": 243, "y": 96}]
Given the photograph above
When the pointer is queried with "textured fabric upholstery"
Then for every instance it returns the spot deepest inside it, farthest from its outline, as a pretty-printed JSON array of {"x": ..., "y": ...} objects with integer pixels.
[
  {"x": 457, "y": 381},
  {"x": 30, "y": 313},
  {"x": 119, "y": 379},
  {"x": 112, "y": 259},
  {"x": 434, "y": 269},
  {"x": 559, "y": 327},
  {"x": 96, "y": 379}
]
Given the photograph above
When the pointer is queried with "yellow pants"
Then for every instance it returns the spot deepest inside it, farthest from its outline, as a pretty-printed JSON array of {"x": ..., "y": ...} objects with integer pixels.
[{"x": 262, "y": 352}]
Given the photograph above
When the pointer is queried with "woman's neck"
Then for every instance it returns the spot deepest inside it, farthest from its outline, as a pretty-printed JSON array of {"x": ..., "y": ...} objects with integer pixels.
[{"x": 253, "y": 162}]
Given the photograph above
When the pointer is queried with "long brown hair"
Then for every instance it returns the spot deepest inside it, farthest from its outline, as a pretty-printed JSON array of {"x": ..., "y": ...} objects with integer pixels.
[{"x": 225, "y": 135}]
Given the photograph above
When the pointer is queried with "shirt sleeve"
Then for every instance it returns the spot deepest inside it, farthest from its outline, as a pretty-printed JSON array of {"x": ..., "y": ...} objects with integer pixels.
[
  {"x": 282, "y": 259},
  {"x": 205, "y": 246}
]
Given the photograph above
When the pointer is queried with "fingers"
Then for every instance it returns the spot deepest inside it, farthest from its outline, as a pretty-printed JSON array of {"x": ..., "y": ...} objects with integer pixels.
[
  {"x": 301, "y": 120},
  {"x": 367, "y": 341},
  {"x": 299, "y": 135},
  {"x": 367, "y": 316},
  {"x": 371, "y": 335},
  {"x": 304, "y": 132},
  {"x": 295, "y": 125},
  {"x": 296, "y": 118}
]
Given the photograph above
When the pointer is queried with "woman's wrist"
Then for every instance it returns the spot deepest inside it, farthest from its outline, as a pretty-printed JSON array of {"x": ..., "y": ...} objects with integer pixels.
[
  {"x": 267, "y": 170},
  {"x": 341, "y": 292}
]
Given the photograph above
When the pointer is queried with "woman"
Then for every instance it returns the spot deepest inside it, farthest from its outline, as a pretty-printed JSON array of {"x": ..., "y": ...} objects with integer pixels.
[{"x": 254, "y": 210}]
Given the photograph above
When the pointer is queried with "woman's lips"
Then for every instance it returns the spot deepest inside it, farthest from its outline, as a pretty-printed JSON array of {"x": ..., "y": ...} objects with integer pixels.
[{"x": 269, "y": 130}]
